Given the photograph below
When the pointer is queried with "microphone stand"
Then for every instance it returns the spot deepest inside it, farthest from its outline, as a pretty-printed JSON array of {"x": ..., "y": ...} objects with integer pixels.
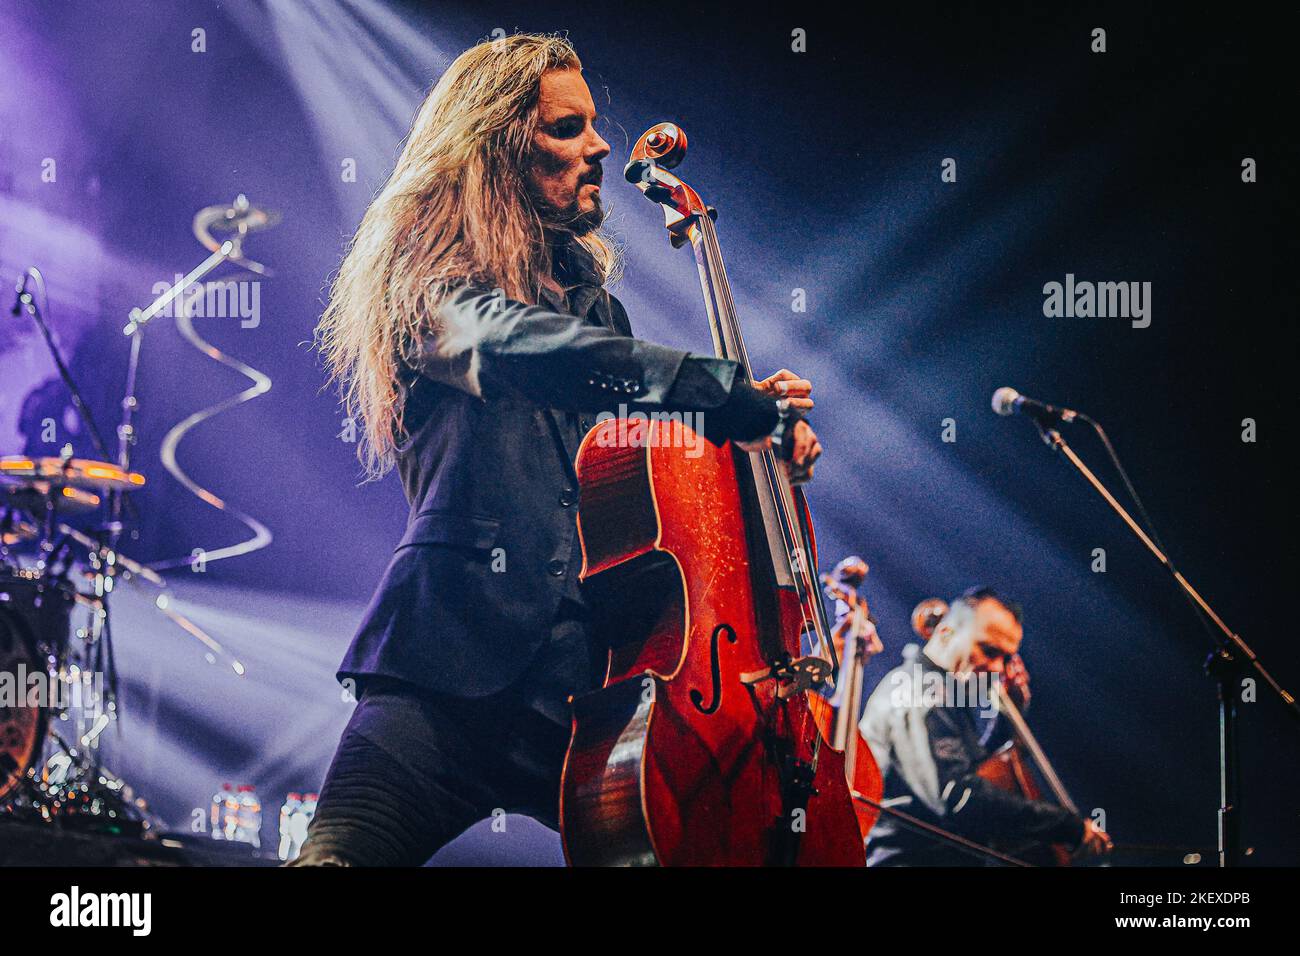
[
  {"x": 130, "y": 402},
  {"x": 1229, "y": 660},
  {"x": 100, "y": 634},
  {"x": 26, "y": 303}
]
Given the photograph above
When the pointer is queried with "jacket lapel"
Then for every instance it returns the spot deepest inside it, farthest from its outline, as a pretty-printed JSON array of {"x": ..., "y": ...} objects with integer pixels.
[
  {"x": 575, "y": 269},
  {"x": 556, "y": 419}
]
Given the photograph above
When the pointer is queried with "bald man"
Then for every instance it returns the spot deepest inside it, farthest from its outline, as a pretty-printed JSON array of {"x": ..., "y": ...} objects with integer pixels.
[{"x": 928, "y": 726}]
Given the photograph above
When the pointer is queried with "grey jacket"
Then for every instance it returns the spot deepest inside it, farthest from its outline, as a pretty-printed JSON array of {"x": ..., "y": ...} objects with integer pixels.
[{"x": 929, "y": 751}]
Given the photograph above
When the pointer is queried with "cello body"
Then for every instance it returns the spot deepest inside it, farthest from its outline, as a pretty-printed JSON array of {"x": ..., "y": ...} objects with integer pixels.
[
  {"x": 1008, "y": 770},
  {"x": 860, "y": 767},
  {"x": 839, "y": 723},
  {"x": 683, "y": 757}
]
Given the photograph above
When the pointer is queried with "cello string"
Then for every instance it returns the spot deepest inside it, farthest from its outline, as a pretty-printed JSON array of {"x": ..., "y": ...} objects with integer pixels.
[
  {"x": 779, "y": 488},
  {"x": 1035, "y": 750},
  {"x": 778, "y": 485},
  {"x": 715, "y": 276},
  {"x": 729, "y": 333}
]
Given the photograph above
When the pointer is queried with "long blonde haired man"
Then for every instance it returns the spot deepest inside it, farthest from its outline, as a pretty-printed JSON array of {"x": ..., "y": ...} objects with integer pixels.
[{"x": 472, "y": 339}]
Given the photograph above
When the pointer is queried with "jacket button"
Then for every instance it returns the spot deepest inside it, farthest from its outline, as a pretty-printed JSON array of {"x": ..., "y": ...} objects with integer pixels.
[
  {"x": 556, "y": 568},
  {"x": 567, "y": 497}
]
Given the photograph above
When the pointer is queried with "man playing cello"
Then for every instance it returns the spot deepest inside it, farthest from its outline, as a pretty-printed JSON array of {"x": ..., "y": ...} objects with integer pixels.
[
  {"x": 928, "y": 725},
  {"x": 473, "y": 339}
]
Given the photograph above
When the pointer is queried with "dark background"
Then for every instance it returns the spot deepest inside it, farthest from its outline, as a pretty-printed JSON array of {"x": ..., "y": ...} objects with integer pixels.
[{"x": 923, "y": 297}]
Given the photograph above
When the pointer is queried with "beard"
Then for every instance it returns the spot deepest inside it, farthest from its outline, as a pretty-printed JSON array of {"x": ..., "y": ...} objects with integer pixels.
[{"x": 570, "y": 218}]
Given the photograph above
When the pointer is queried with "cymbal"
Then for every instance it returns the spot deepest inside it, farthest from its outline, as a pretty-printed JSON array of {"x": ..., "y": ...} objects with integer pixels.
[
  {"x": 235, "y": 222},
  {"x": 79, "y": 473},
  {"x": 32, "y": 497},
  {"x": 240, "y": 216}
]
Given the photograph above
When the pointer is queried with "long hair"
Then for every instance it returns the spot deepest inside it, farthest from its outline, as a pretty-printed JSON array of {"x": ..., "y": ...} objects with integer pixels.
[{"x": 456, "y": 208}]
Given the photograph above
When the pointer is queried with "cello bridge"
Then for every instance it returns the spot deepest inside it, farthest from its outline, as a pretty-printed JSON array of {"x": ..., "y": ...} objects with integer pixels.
[{"x": 793, "y": 675}]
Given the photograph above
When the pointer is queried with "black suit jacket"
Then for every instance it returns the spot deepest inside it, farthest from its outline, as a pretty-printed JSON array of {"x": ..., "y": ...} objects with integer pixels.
[{"x": 495, "y": 412}]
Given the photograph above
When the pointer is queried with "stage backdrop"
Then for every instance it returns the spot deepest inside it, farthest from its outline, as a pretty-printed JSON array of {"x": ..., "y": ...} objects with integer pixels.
[{"x": 896, "y": 194}]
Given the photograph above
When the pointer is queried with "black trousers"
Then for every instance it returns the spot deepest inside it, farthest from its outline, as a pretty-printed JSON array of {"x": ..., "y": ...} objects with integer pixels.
[{"x": 414, "y": 769}]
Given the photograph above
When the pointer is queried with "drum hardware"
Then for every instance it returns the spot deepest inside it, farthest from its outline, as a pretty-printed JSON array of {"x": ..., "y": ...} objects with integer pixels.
[
  {"x": 34, "y": 615},
  {"x": 133, "y": 573},
  {"x": 15, "y": 528},
  {"x": 76, "y": 795},
  {"x": 49, "y": 764}
]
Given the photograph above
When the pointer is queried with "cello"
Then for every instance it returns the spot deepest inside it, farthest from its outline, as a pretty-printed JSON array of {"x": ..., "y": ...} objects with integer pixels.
[
  {"x": 840, "y": 715},
  {"x": 1009, "y": 767},
  {"x": 701, "y": 747}
]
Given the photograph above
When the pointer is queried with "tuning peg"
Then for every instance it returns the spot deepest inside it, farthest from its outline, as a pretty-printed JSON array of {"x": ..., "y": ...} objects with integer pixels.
[{"x": 658, "y": 193}]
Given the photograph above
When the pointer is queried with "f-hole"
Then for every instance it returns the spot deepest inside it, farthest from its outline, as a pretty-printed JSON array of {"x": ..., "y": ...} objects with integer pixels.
[{"x": 696, "y": 697}]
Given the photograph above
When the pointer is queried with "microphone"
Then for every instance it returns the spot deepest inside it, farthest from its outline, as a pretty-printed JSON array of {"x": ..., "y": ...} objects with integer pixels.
[{"x": 1007, "y": 401}]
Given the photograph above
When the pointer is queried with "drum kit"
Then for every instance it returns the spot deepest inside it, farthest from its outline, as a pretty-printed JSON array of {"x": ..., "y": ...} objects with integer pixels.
[
  {"x": 58, "y": 680},
  {"x": 57, "y": 685}
]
